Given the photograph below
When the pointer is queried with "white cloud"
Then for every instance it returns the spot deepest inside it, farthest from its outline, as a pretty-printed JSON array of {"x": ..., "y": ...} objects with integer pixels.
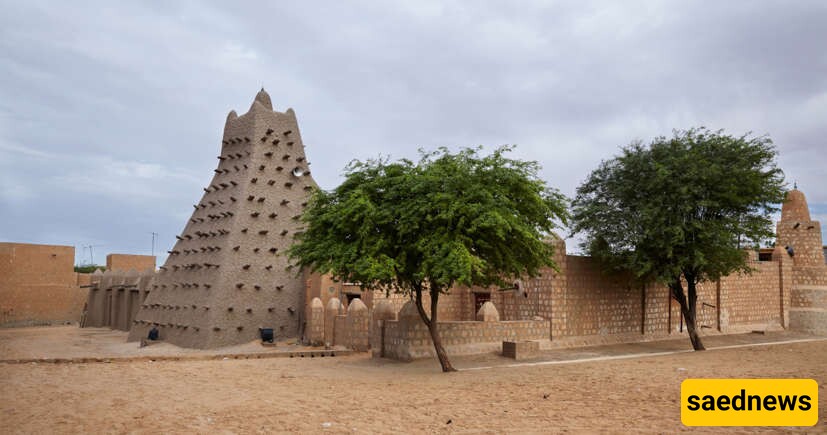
[
  {"x": 87, "y": 175},
  {"x": 234, "y": 52},
  {"x": 125, "y": 180},
  {"x": 8, "y": 152}
]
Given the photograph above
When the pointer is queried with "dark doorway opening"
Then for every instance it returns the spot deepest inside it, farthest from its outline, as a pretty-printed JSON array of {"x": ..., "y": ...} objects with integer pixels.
[
  {"x": 479, "y": 299},
  {"x": 351, "y": 297}
]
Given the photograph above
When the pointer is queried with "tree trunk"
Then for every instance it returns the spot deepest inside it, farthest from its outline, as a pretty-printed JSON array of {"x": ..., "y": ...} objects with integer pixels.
[
  {"x": 692, "y": 313},
  {"x": 688, "y": 309},
  {"x": 431, "y": 323}
]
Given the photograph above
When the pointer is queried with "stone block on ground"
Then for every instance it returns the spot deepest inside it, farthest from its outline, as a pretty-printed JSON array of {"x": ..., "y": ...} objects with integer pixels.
[{"x": 520, "y": 350}]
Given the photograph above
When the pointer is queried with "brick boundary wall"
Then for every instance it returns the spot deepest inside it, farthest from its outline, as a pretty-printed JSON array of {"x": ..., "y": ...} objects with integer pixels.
[
  {"x": 38, "y": 285},
  {"x": 580, "y": 305},
  {"x": 406, "y": 341},
  {"x": 594, "y": 309}
]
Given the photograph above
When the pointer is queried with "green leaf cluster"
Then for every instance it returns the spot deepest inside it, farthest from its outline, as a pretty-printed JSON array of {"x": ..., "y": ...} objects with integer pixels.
[
  {"x": 450, "y": 218},
  {"x": 89, "y": 268},
  {"x": 686, "y": 205}
]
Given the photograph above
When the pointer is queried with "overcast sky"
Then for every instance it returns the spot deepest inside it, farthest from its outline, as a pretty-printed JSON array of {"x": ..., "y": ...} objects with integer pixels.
[{"x": 111, "y": 113}]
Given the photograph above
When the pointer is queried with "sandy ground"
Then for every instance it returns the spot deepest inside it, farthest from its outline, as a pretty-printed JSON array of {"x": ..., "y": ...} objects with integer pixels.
[
  {"x": 74, "y": 342},
  {"x": 362, "y": 395}
]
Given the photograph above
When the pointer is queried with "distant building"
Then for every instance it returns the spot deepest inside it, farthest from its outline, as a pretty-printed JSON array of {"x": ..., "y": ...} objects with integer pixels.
[
  {"x": 127, "y": 262},
  {"x": 38, "y": 285}
]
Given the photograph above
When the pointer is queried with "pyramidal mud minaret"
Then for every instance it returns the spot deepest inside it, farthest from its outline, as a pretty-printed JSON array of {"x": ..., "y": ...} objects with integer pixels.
[{"x": 227, "y": 275}]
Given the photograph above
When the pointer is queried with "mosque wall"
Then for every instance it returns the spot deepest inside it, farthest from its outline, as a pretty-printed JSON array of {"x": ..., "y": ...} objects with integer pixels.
[
  {"x": 127, "y": 262},
  {"x": 227, "y": 276},
  {"x": 38, "y": 285},
  {"x": 581, "y": 305}
]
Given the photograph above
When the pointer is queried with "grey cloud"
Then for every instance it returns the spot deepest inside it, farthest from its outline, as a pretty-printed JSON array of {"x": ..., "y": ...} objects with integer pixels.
[{"x": 145, "y": 87}]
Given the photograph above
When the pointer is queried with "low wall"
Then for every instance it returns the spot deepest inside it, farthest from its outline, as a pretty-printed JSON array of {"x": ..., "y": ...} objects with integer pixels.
[
  {"x": 453, "y": 306},
  {"x": 33, "y": 305},
  {"x": 808, "y": 310},
  {"x": 809, "y": 320},
  {"x": 406, "y": 340}
]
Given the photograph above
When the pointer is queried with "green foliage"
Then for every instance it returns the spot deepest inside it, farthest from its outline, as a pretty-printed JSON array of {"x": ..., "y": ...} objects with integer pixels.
[
  {"x": 683, "y": 205},
  {"x": 449, "y": 219},
  {"x": 89, "y": 268}
]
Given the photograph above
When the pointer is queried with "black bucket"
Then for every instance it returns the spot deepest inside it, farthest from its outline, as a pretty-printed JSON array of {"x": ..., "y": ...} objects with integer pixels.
[{"x": 266, "y": 334}]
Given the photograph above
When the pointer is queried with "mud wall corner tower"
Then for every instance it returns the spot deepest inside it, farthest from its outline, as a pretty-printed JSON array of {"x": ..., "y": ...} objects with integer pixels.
[
  {"x": 227, "y": 275},
  {"x": 800, "y": 236}
]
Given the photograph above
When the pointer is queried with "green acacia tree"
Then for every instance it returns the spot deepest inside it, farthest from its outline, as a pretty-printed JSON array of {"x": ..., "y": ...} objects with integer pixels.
[
  {"x": 681, "y": 209},
  {"x": 421, "y": 228}
]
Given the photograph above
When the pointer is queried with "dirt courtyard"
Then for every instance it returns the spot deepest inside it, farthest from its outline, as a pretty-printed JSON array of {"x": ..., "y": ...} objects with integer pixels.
[{"x": 357, "y": 394}]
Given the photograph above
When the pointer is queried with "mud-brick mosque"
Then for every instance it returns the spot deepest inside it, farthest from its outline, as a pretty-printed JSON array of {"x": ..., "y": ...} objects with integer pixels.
[{"x": 227, "y": 277}]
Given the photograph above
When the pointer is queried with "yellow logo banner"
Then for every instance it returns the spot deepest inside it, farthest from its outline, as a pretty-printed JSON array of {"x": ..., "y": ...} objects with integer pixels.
[{"x": 749, "y": 402}]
